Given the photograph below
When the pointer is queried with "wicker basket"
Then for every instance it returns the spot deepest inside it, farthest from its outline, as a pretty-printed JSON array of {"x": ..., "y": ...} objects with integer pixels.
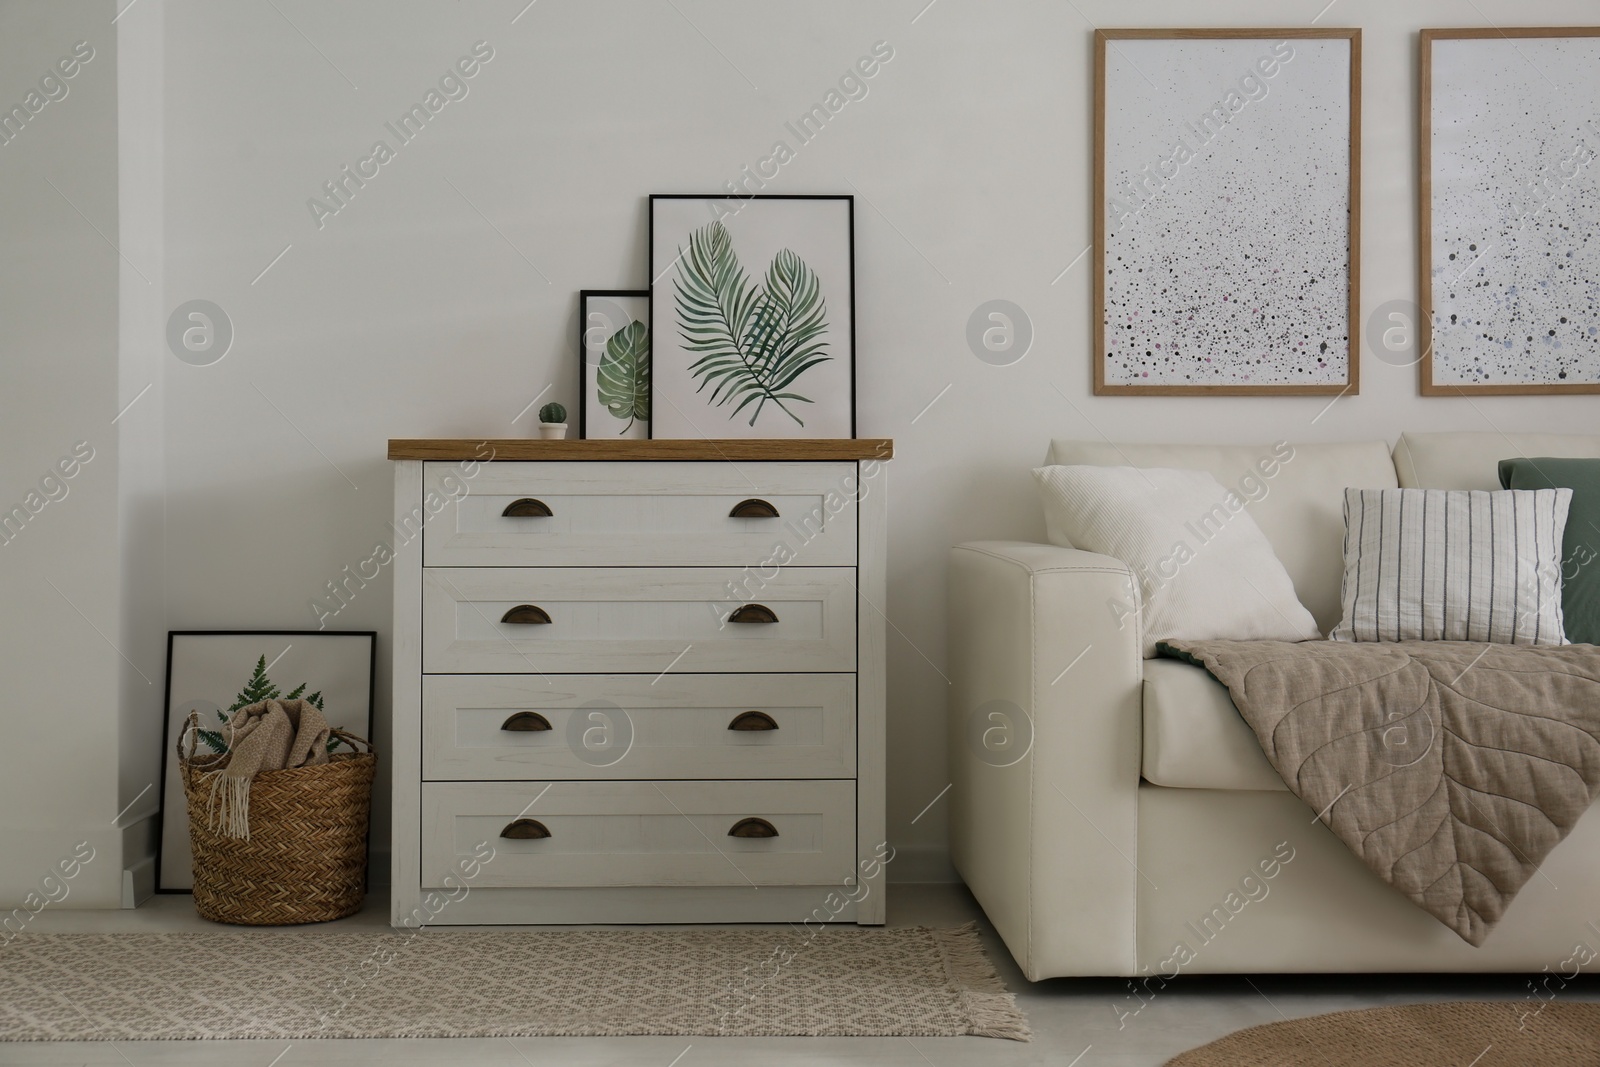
[{"x": 305, "y": 860}]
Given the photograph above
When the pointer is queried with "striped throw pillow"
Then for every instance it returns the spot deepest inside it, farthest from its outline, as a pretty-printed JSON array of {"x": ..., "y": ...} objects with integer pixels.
[{"x": 1453, "y": 565}]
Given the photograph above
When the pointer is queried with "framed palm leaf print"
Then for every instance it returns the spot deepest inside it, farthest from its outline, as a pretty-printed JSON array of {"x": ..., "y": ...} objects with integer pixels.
[
  {"x": 752, "y": 316},
  {"x": 614, "y": 345}
]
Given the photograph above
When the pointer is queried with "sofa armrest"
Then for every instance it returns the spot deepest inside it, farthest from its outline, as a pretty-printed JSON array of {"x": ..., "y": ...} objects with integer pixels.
[{"x": 1041, "y": 643}]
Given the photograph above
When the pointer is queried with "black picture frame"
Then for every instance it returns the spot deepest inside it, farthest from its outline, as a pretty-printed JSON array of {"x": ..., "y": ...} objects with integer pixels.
[
  {"x": 585, "y": 296},
  {"x": 658, "y": 272},
  {"x": 168, "y": 752}
]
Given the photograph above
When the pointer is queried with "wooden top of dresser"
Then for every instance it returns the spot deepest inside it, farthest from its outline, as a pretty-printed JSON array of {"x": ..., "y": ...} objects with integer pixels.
[{"x": 746, "y": 450}]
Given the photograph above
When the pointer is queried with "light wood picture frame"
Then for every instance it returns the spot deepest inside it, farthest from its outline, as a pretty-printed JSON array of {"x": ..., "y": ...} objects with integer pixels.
[
  {"x": 1505, "y": 285},
  {"x": 1227, "y": 161}
]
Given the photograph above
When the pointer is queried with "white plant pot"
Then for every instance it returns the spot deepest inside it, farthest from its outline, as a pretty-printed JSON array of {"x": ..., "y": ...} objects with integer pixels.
[{"x": 553, "y": 431}]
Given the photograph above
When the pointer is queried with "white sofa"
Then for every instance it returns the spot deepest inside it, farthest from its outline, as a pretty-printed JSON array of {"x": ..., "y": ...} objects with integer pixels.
[{"x": 1145, "y": 800}]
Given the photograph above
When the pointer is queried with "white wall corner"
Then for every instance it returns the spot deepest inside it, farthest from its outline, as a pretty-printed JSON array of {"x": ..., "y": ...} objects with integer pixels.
[
  {"x": 921, "y": 864},
  {"x": 58, "y": 575},
  {"x": 139, "y": 882},
  {"x": 140, "y": 428}
]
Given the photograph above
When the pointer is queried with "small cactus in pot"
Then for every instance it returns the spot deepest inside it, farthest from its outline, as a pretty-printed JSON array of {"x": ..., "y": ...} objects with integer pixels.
[{"x": 552, "y": 422}]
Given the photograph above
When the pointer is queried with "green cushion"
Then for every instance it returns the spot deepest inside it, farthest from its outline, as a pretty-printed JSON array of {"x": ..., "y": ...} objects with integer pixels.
[{"x": 1580, "y": 546}]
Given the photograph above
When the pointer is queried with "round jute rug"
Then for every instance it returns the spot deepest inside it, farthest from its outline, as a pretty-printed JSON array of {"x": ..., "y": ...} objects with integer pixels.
[{"x": 1503, "y": 1034}]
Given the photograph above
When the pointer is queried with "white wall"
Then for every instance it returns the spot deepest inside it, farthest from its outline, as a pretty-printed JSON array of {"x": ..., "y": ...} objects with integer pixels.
[
  {"x": 60, "y": 671},
  {"x": 443, "y": 298},
  {"x": 141, "y": 481}
]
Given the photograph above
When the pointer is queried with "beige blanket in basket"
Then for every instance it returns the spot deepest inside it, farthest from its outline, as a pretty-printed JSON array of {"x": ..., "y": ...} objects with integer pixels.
[{"x": 273, "y": 735}]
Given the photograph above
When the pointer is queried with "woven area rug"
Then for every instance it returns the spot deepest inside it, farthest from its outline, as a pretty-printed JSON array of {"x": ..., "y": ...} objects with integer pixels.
[
  {"x": 831, "y": 982},
  {"x": 1503, "y": 1034}
]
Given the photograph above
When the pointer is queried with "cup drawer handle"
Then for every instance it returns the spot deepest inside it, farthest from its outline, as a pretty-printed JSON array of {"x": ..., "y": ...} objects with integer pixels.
[
  {"x": 525, "y": 830},
  {"x": 526, "y": 615},
  {"x": 753, "y": 827},
  {"x": 754, "y": 508},
  {"x": 753, "y": 613},
  {"x": 527, "y": 508},
  {"x": 526, "y": 722},
  {"x": 753, "y": 720}
]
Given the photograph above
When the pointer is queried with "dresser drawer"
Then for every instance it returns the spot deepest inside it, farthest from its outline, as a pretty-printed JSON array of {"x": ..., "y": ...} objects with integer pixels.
[
  {"x": 622, "y": 514},
  {"x": 642, "y": 620},
  {"x": 597, "y": 726},
  {"x": 640, "y": 833}
]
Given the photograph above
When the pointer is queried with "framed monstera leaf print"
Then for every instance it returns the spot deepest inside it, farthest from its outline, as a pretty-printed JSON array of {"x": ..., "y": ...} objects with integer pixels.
[
  {"x": 614, "y": 344},
  {"x": 752, "y": 316}
]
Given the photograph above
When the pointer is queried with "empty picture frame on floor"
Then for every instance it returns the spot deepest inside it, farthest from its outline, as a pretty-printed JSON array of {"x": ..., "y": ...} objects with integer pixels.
[
  {"x": 752, "y": 316},
  {"x": 1227, "y": 211},
  {"x": 614, "y": 347},
  {"x": 207, "y": 671},
  {"x": 1509, "y": 211}
]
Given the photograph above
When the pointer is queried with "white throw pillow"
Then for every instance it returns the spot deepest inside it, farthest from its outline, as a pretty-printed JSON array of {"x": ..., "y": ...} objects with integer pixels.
[
  {"x": 1453, "y": 565},
  {"x": 1204, "y": 568}
]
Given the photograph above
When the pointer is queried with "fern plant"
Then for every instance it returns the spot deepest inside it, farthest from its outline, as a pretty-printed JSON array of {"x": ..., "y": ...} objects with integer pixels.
[
  {"x": 622, "y": 381},
  {"x": 753, "y": 342},
  {"x": 256, "y": 689}
]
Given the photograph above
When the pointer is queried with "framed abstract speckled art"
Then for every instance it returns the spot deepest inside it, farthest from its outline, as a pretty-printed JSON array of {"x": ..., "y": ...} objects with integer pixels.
[
  {"x": 1227, "y": 183},
  {"x": 1509, "y": 212}
]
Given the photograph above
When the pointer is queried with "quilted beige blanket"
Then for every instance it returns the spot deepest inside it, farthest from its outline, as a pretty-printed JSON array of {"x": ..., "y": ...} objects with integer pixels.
[{"x": 1452, "y": 769}]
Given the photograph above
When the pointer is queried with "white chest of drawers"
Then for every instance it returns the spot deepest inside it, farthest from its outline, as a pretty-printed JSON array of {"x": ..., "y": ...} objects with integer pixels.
[{"x": 639, "y": 681}]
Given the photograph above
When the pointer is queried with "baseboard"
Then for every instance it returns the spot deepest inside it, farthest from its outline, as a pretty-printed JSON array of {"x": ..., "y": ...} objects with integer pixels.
[
  {"x": 914, "y": 864},
  {"x": 139, "y": 882}
]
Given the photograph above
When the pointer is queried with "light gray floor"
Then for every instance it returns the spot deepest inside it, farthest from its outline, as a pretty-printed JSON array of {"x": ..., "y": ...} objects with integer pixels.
[{"x": 1070, "y": 1017}]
